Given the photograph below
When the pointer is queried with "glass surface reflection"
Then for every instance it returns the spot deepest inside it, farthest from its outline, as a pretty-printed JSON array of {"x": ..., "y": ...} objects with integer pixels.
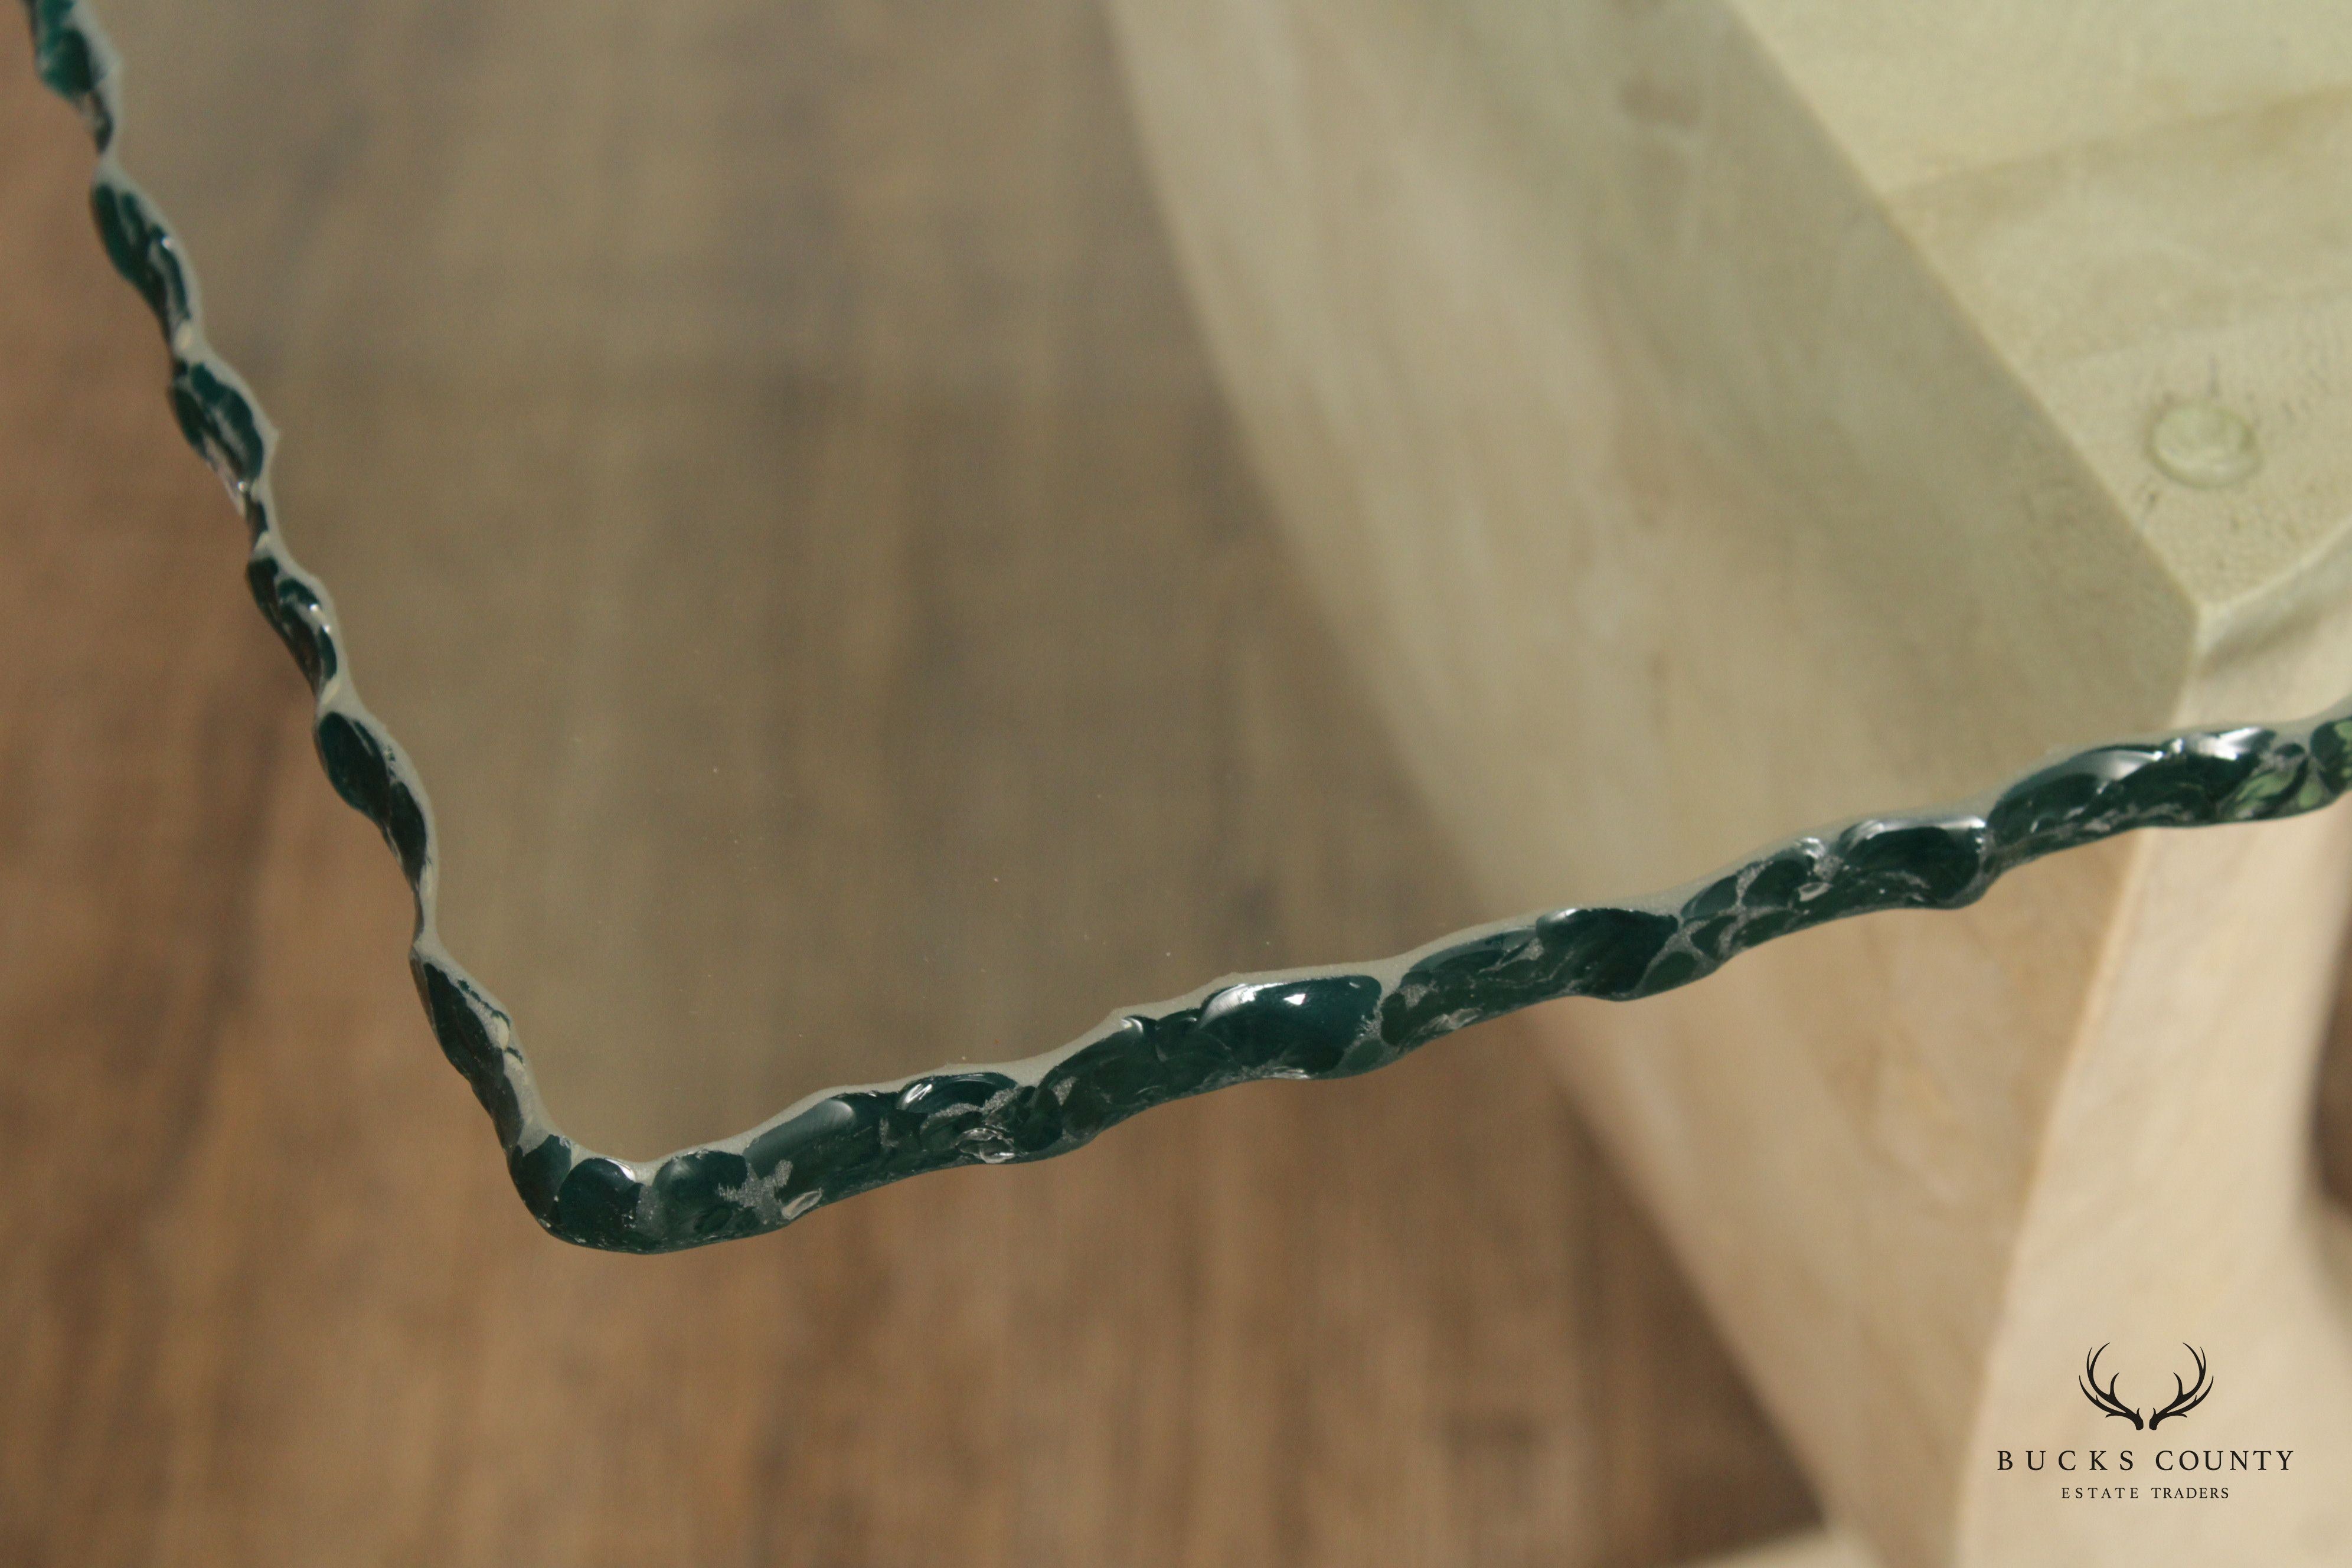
[{"x": 774, "y": 490}]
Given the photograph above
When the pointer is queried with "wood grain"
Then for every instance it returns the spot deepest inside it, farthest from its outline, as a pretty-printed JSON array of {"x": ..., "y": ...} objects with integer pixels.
[
  {"x": 771, "y": 484},
  {"x": 265, "y": 1298}
]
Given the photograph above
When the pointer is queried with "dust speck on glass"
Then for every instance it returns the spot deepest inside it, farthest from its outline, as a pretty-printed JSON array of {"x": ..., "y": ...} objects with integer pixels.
[{"x": 1327, "y": 1022}]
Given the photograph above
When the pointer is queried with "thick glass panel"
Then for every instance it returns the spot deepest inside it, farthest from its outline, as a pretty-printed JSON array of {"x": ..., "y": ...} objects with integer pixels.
[{"x": 776, "y": 495}]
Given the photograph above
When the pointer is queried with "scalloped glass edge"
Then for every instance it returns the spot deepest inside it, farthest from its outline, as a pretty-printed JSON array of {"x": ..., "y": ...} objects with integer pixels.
[{"x": 1321, "y": 1022}]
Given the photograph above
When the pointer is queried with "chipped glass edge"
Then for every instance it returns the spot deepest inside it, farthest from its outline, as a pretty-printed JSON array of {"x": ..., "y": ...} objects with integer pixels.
[{"x": 1321, "y": 1022}]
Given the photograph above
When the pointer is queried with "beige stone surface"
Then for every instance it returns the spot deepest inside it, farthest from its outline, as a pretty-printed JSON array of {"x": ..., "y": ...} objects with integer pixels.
[{"x": 1707, "y": 420}]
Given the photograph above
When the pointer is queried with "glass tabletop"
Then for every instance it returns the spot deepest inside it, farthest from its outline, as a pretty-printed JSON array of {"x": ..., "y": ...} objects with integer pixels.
[{"x": 730, "y": 575}]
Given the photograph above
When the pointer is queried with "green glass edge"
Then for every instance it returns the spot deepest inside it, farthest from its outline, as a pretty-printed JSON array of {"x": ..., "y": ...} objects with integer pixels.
[{"x": 1310, "y": 1023}]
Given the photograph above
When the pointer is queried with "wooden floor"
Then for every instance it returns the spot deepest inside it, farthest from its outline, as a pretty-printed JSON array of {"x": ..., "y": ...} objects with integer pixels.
[
  {"x": 773, "y": 487},
  {"x": 266, "y": 1298}
]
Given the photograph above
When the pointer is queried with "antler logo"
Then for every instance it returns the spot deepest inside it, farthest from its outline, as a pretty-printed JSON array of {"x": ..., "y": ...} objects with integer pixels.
[{"x": 2186, "y": 1396}]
